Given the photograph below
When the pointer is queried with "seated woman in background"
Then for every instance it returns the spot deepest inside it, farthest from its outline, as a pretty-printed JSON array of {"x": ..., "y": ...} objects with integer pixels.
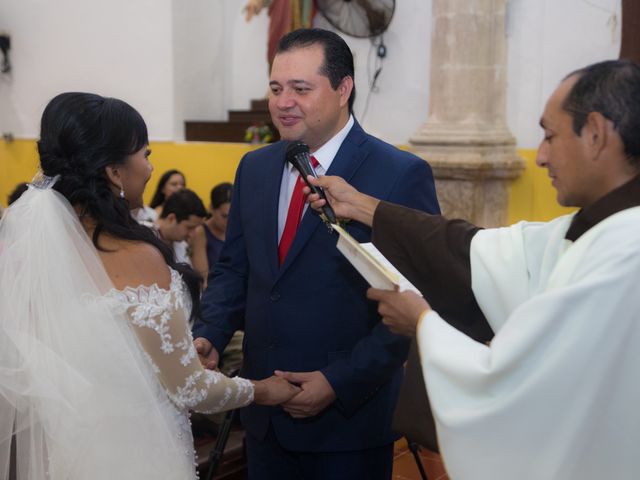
[
  {"x": 170, "y": 182},
  {"x": 213, "y": 233},
  {"x": 97, "y": 366},
  {"x": 215, "y": 227},
  {"x": 209, "y": 238}
]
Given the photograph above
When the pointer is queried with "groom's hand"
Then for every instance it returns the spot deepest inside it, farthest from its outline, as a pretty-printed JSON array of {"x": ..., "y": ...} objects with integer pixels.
[
  {"x": 316, "y": 395},
  {"x": 208, "y": 355}
]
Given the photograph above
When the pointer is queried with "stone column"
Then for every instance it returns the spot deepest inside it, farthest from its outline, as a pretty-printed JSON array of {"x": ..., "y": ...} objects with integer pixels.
[{"x": 466, "y": 139}]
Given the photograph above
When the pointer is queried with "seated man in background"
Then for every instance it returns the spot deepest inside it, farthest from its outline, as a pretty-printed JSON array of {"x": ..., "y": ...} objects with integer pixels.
[
  {"x": 182, "y": 213},
  {"x": 555, "y": 395}
]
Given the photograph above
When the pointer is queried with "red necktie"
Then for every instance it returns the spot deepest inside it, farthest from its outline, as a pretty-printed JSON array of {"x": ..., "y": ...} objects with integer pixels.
[{"x": 296, "y": 206}]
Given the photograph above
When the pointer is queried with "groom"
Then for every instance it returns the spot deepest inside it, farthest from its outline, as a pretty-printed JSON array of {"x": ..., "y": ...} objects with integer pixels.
[{"x": 301, "y": 304}]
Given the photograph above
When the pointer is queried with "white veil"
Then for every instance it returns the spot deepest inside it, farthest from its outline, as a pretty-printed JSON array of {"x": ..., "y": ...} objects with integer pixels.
[{"x": 75, "y": 389}]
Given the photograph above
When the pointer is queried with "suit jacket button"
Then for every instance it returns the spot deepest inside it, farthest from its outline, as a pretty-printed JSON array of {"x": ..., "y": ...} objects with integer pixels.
[{"x": 275, "y": 296}]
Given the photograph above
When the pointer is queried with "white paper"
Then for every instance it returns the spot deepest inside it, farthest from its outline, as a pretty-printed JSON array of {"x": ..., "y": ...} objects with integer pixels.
[{"x": 371, "y": 264}]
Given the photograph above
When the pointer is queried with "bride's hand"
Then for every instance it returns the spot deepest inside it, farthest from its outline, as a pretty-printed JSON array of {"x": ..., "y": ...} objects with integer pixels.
[{"x": 273, "y": 391}]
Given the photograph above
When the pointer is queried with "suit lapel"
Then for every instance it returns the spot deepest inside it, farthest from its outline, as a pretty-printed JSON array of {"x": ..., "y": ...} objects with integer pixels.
[
  {"x": 345, "y": 164},
  {"x": 350, "y": 156},
  {"x": 270, "y": 207}
]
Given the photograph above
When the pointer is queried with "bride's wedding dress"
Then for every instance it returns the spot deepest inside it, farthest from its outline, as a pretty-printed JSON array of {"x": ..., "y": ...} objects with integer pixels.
[{"x": 97, "y": 382}]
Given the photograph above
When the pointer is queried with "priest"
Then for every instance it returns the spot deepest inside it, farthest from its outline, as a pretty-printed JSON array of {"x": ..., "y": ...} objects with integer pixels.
[{"x": 555, "y": 394}]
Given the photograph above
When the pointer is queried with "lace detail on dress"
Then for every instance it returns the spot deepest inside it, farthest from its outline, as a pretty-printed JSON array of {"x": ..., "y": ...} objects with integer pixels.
[
  {"x": 187, "y": 345},
  {"x": 159, "y": 320},
  {"x": 153, "y": 365},
  {"x": 151, "y": 307},
  {"x": 194, "y": 391}
]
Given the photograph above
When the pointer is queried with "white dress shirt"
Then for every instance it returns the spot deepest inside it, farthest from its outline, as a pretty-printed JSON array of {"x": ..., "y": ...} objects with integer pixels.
[{"x": 324, "y": 155}]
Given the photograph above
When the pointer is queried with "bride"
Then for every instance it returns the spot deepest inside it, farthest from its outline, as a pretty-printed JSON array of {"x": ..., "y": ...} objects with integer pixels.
[{"x": 97, "y": 365}]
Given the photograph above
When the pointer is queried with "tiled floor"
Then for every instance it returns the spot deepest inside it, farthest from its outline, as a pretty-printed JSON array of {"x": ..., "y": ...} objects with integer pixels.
[{"x": 405, "y": 468}]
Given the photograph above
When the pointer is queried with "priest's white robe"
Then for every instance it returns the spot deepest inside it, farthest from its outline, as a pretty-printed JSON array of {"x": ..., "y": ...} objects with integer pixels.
[{"x": 556, "y": 394}]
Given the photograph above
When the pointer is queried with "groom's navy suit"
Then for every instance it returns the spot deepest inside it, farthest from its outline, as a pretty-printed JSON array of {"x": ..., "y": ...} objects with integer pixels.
[{"x": 311, "y": 313}]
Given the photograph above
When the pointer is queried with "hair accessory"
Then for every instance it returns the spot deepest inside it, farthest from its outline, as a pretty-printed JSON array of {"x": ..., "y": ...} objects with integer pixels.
[{"x": 42, "y": 181}]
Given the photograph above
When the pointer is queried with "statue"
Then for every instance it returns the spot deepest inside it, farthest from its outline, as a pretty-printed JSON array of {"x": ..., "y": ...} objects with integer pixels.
[{"x": 284, "y": 16}]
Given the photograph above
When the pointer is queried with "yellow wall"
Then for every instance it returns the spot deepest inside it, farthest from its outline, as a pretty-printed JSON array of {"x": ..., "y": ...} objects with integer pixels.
[
  {"x": 18, "y": 163},
  {"x": 206, "y": 164},
  {"x": 203, "y": 164}
]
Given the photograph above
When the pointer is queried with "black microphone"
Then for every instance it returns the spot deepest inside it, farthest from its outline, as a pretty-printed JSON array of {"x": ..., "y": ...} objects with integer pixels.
[{"x": 298, "y": 156}]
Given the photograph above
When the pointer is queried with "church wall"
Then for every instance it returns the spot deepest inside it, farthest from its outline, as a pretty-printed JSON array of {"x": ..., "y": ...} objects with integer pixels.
[
  {"x": 206, "y": 164},
  {"x": 546, "y": 40},
  {"x": 175, "y": 60},
  {"x": 118, "y": 48}
]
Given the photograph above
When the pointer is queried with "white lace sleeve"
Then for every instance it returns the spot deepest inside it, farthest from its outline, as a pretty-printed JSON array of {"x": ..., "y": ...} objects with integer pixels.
[{"x": 159, "y": 320}]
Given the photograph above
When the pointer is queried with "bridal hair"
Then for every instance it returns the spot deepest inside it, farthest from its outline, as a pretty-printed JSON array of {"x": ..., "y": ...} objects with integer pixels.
[
  {"x": 159, "y": 197},
  {"x": 80, "y": 135}
]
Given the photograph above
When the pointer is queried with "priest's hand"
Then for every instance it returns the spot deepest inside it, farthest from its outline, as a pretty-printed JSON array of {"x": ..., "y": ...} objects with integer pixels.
[
  {"x": 208, "y": 355},
  {"x": 316, "y": 393},
  {"x": 400, "y": 311},
  {"x": 346, "y": 201}
]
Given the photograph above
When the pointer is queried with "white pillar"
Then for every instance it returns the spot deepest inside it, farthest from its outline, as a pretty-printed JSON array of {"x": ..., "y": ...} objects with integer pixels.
[{"x": 466, "y": 139}]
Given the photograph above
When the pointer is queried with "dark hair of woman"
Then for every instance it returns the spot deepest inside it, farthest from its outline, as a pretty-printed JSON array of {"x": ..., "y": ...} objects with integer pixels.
[
  {"x": 221, "y": 194},
  {"x": 158, "y": 197},
  {"x": 80, "y": 135}
]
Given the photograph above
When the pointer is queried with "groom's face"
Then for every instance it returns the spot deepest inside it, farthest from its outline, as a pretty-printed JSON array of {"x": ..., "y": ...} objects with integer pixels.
[{"x": 303, "y": 104}]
